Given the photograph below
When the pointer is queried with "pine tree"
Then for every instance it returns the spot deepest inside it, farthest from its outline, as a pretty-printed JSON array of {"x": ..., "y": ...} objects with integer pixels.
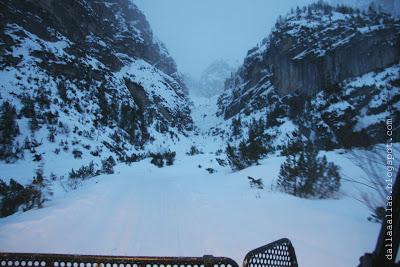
[
  {"x": 62, "y": 92},
  {"x": 276, "y": 112},
  {"x": 28, "y": 108},
  {"x": 236, "y": 127},
  {"x": 127, "y": 120},
  {"x": 108, "y": 165},
  {"x": 288, "y": 176},
  {"x": 34, "y": 123},
  {"x": 169, "y": 157},
  {"x": 306, "y": 175},
  {"x": 234, "y": 159},
  {"x": 255, "y": 149},
  {"x": 52, "y": 134},
  {"x": 294, "y": 143},
  {"x": 309, "y": 11},
  {"x": 8, "y": 121},
  {"x": 8, "y": 131},
  {"x": 298, "y": 11}
]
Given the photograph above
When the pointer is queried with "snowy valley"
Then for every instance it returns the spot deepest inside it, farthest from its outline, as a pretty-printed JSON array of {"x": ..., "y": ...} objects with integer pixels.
[{"x": 107, "y": 149}]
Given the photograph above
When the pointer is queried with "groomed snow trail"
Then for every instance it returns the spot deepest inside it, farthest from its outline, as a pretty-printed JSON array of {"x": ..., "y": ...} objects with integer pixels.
[{"x": 182, "y": 210}]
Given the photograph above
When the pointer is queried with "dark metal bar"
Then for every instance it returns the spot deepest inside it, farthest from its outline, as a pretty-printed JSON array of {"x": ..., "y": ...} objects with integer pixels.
[
  {"x": 276, "y": 254},
  {"x": 63, "y": 260}
]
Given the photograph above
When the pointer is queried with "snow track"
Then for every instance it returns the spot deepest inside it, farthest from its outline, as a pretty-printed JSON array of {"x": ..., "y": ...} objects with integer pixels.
[{"x": 182, "y": 210}]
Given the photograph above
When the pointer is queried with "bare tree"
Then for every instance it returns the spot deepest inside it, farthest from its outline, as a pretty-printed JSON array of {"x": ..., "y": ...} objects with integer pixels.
[{"x": 374, "y": 164}]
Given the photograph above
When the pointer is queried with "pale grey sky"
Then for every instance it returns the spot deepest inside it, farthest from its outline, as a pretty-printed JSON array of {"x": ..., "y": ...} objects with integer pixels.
[{"x": 196, "y": 32}]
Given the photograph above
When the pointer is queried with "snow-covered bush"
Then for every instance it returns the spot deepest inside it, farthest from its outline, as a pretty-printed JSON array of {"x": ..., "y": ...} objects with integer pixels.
[
  {"x": 256, "y": 183},
  {"x": 306, "y": 175},
  {"x": 8, "y": 131},
  {"x": 236, "y": 126},
  {"x": 294, "y": 144},
  {"x": 77, "y": 153},
  {"x": 211, "y": 170},
  {"x": 169, "y": 157},
  {"x": 14, "y": 196},
  {"x": 234, "y": 159},
  {"x": 108, "y": 165},
  {"x": 158, "y": 158},
  {"x": 132, "y": 158},
  {"x": 194, "y": 151},
  {"x": 84, "y": 172},
  {"x": 255, "y": 147}
]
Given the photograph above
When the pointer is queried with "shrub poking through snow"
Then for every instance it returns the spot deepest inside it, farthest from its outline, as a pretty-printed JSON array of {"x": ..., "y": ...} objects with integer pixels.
[
  {"x": 159, "y": 158},
  {"x": 194, "y": 151},
  {"x": 306, "y": 175},
  {"x": 294, "y": 144},
  {"x": 234, "y": 158},
  {"x": 84, "y": 172},
  {"x": 8, "y": 132},
  {"x": 169, "y": 157},
  {"x": 108, "y": 165},
  {"x": 89, "y": 171},
  {"x": 255, "y": 183},
  {"x": 210, "y": 170},
  {"x": 14, "y": 196},
  {"x": 133, "y": 158},
  {"x": 251, "y": 149},
  {"x": 221, "y": 162},
  {"x": 77, "y": 153}
]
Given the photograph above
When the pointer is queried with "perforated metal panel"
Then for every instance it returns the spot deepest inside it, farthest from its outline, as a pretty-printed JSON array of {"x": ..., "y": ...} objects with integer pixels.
[
  {"x": 277, "y": 254},
  {"x": 57, "y": 260}
]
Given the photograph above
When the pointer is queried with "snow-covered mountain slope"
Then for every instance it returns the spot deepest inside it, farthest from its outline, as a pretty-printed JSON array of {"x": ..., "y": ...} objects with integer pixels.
[
  {"x": 83, "y": 80},
  {"x": 212, "y": 80},
  {"x": 182, "y": 210},
  {"x": 331, "y": 73}
]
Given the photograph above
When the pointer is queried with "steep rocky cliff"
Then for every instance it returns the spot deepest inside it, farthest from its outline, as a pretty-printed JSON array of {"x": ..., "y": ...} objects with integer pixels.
[
  {"x": 341, "y": 57},
  {"x": 86, "y": 80},
  {"x": 312, "y": 50},
  {"x": 213, "y": 77},
  {"x": 103, "y": 28}
]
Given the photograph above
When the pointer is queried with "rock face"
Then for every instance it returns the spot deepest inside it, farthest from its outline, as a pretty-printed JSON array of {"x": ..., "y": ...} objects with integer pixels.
[
  {"x": 331, "y": 55},
  {"x": 212, "y": 80},
  {"x": 95, "y": 25},
  {"x": 314, "y": 49},
  {"x": 90, "y": 75},
  {"x": 331, "y": 73}
]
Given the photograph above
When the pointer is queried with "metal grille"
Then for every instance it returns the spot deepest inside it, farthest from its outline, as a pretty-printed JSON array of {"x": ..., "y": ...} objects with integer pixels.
[
  {"x": 277, "y": 254},
  {"x": 56, "y": 260}
]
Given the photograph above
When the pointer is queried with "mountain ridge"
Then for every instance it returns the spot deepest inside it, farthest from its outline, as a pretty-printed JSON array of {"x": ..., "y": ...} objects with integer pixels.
[
  {"x": 316, "y": 48},
  {"x": 80, "y": 69},
  {"x": 290, "y": 85}
]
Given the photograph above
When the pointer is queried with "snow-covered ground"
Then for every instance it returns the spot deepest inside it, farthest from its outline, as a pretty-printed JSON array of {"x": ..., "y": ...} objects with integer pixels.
[{"x": 183, "y": 210}]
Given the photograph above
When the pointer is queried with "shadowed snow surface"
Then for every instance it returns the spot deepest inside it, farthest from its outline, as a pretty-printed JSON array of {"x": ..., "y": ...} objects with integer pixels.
[{"x": 182, "y": 210}]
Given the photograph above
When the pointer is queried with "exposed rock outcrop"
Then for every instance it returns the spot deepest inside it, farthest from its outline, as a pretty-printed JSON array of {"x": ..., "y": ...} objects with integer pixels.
[
  {"x": 96, "y": 68},
  {"x": 331, "y": 73},
  {"x": 312, "y": 49}
]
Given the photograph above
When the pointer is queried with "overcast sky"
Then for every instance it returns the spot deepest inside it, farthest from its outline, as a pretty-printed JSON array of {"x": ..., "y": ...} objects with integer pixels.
[{"x": 197, "y": 32}]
